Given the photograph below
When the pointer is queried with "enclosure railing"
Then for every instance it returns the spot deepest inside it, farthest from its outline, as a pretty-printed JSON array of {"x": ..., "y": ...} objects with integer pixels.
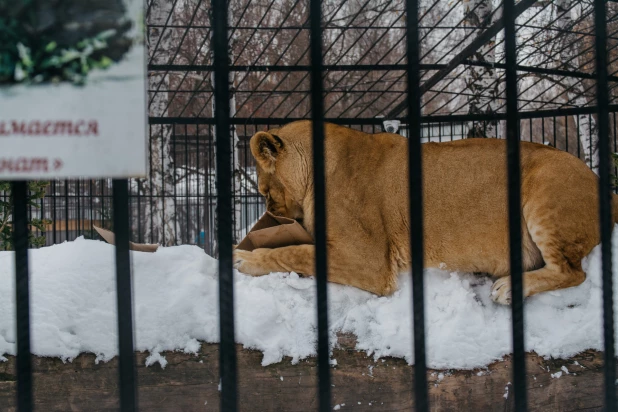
[{"x": 128, "y": 397}]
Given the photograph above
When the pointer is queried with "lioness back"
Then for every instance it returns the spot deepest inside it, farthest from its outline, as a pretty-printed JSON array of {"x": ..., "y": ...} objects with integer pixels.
[
  {"x": 466, "y": 214},
  {"x": 465, "y": 208}
]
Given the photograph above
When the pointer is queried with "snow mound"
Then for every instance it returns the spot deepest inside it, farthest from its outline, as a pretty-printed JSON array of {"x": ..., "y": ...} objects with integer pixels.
[{"x": 73, "y": 309}]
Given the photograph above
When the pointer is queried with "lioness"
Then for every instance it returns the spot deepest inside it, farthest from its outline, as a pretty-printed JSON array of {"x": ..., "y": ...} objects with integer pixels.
[{"x": 465, "y": 195}]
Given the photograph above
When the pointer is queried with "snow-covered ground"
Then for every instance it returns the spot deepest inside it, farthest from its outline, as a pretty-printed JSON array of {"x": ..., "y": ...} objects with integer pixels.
[{"x": 74, "y": 310}]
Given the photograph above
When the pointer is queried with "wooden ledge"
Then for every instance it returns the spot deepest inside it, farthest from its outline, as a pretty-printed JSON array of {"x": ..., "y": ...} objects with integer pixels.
[{"x": 190, "y": 383}]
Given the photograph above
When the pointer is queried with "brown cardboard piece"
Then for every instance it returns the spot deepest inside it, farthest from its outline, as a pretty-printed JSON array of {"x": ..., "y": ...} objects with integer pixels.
[
  {"x": 275, "y": 231},
  {"x": 139, "y": 247}
]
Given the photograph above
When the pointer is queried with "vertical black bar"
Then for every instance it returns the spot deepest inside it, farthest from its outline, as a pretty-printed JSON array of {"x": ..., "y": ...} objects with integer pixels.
[
  {"x": 150, "y": 185},
  {"x": 249, "y": 200},
  {"x": 578, "y": 140},
  {"x": 162, "y": 148},
  {"x": 415, "y": 181},
  {"x": 91, "y": 209},
  {"x": 174, "y": 183},
  {"x": 126, "y": 361},
  {"x": 54, "y": 211},
  {"x": 554, "y": 123},
  {"x": 200, "y": 221},
  {"x": 514, "y": 198},
  {"x": 227, "y": 351},
  {"x": 319, "y": 176},
  {"x": 78, "y": 188},
  {"x": 208, "y": 194},
  {"x": 566, "y": 133},
  {"x": 615, "y": 147},
  {"x": 140, "y": 237},
  {"x": 187, "y": 186},
  {"x": 589, "y": 123},
  {"x": 235, "y": 224},
  {"x": 605, "y": 205},
  {"x": 22, "y": 296},
  {"x": 66, "y": 210},
  {"x": 42, "y": 214}
]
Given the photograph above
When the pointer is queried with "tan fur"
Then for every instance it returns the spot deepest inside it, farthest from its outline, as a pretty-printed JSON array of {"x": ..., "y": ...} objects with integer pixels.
[{"x": 465, "y": 206}]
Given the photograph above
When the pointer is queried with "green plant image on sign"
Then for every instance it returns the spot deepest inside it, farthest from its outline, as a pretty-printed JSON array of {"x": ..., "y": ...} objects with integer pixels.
[
  {"x": 60, "y": 40},
  {"x": 36, "y": 191}
]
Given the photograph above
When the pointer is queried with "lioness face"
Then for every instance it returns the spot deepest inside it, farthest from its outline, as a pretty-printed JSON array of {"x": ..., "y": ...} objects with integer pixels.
[
  {"x": 278, "y": 201},
  {"x": 283, "y": 191}
]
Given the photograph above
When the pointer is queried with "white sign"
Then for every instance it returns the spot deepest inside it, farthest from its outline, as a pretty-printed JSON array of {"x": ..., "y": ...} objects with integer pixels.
[{"x": 73, "y": 102}]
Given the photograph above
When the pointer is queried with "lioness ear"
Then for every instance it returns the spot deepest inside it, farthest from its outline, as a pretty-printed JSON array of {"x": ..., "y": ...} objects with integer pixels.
[{"x": 265, "y": 147}]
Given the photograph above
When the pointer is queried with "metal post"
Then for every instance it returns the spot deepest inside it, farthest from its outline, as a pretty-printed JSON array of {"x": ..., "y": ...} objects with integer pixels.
[
  {"x": 321, "y": 265},
  {"x": 227, "y": 351},
  {"x": 514, "y": 199},
  {"x": 126, "y": 359},
  {"x": 22, "y": 295},
  {"x": 415, "y": 181},
  {"x": 605, "y": 205}
]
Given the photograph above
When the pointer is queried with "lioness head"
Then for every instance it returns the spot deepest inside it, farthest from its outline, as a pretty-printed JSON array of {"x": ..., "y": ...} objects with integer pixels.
[{"x": 281, "y": 174}]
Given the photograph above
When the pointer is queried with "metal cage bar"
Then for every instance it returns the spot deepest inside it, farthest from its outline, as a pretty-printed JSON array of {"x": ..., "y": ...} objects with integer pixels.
[
  {"x": 319, "y": 178},
  {"x": 126, "y": 358},
  {"x": 227, "y": 351},
  {"x": 415, "y": 182},
  {"x": 514, "y": 207},
  {"x": 605, "y": 204},
  {"x": 22, "y": 295}
]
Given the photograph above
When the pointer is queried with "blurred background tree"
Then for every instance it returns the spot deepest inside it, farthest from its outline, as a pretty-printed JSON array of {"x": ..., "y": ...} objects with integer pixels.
[{"x": 36, "y": 191}]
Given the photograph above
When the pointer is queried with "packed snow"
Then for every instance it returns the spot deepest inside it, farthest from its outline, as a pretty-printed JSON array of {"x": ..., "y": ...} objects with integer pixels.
[{"x": 73, "y": 309}]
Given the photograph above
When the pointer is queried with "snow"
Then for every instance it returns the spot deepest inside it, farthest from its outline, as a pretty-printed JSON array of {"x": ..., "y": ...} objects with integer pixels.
[
  {"x": 156, "y": 357},
  {"x": 73, "y": 309},
  {"x": 506, "y": 391}
]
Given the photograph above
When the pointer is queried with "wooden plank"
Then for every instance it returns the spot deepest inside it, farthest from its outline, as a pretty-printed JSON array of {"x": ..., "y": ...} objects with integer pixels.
[
  {"x": 73, "y": 224},
  {"x": 190, "y": 382}
]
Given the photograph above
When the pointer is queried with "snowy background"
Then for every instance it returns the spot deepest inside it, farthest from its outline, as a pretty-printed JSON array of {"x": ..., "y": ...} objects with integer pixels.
[{"x": 73, "y": 298}]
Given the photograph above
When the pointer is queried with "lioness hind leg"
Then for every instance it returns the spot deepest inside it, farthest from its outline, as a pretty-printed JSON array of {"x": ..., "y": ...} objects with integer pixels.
[
  {"x": 299, "y": 259},
  {"x": 564, "y": 227},
  {"x": 562, "y": 269},
  {"x": 537, "y": 281}
]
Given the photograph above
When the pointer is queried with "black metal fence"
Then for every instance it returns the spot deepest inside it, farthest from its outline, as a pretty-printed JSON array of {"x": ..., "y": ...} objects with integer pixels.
[{"x": 128, "y": 203}]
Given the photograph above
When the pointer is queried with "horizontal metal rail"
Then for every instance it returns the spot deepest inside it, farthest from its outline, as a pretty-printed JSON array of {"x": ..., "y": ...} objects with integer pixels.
[
  {"x": 378, "y": 121},
  {"x": 368, "y": 67}
]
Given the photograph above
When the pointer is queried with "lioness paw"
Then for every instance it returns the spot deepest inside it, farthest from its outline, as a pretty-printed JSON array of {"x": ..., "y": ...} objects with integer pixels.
[
  {"x": 501, "y": 291},
  {"x": 248, "y": 263}
]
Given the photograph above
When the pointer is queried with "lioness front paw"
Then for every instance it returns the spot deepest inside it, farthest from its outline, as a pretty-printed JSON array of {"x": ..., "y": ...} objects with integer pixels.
[
  {"x": 249, "y": 263},
  {"x": 501, "y": 291}
]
